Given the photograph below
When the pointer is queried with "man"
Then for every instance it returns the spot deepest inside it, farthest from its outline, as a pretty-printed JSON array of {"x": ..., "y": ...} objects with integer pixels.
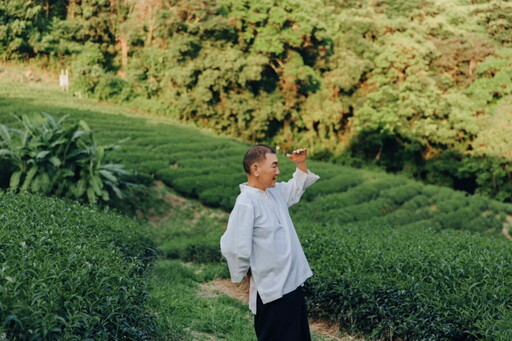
[{"x": 261, "y": 241}]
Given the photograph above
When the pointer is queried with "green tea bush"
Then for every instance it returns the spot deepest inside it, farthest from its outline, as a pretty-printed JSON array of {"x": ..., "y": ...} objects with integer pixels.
[
  {"x": 198, "y": 248},
  {"x": 418, "y": 201},
  {"x": 219, "y": 196},
  {"x": 402, "y": 193},
  {"x": 408, "y": 283},
  {"x": 337, "y": 184},
  {"x": 357, "y": 213},
  {"x": 70, "y": 272}
]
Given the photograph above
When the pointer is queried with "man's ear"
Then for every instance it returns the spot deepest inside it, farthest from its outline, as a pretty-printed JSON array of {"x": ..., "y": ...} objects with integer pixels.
[{"x": 255, "y": 169}]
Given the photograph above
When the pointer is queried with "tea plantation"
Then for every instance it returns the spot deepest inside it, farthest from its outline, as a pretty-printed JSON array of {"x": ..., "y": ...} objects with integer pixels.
[
  {"x": 393, "y": 258},
  {"x": 70, "y": 272}
]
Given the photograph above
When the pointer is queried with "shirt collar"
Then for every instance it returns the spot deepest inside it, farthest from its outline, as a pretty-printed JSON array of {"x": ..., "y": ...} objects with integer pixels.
[{"x": 246, "y": 188}]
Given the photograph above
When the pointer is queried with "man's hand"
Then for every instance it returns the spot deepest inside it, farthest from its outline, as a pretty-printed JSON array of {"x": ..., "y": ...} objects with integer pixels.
[
  {"x": 299, "y": 156},
  {"x": 248, "y": 282}
]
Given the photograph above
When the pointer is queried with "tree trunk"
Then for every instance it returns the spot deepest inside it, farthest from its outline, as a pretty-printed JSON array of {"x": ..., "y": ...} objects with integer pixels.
[
  {"x": 71, "y": 10},
  {"x": 151, "y": 29},
  {"x": 124, "y": 55}
]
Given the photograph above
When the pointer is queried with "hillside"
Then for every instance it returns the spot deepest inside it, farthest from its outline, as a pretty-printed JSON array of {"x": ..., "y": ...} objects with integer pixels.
[
  {"x": 391, "y": 256},
  {"x": 416, "y": 87}
]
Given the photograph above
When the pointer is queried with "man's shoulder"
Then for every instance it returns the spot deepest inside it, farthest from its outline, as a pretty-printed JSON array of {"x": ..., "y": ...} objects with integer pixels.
[{"x": 245, "y": 198}]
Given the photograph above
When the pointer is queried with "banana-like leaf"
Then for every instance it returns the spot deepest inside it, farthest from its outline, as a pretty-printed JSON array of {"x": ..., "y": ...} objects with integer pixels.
[
  {"x": 42, "y": 154},
  {"x": 101, "y": 153},
  {"x": 5, "y": 135},
  {"x": 84, "y": 125},
  {"x": 105, "y": 196},
  {"x": 50, "y": 119},
  {"x": 35, "y": 185},
  {"x": 4, "y": 152},
  {"x": 80, "y": 188},
  {"x": 62, "y": 119},
  {"x": 45, "y": 183},
  {"x": 96, "y": 184},
  {"x": 58, "y": 142},
  {"x": 28, "y": 179},
  {"x": 91, "y": 196},
  {"x": 55, "y": 161},
  {"x": 78, "y": 133},
  {"x": 117, "y": 191},
  {"x": 108, "y": 175},
  {"x": 115, "y": 168},
  {"x": 15, "y": 180}
]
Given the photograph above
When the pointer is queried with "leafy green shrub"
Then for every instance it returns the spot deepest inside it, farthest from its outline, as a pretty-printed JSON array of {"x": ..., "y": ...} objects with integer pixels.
[
  {"x": 202, "y": 248},
  {"x": 88, "y": 68},
  {"x": 401, "y": 194},
  {"x": 65, "y": 161},
  {"x": 337, "y": 184},
  {"x": 408, "y": 283},
  {"x": 113, "y": 88},
  {"x": 220, "y": 196},
  {"x": 71, "y": 272}
]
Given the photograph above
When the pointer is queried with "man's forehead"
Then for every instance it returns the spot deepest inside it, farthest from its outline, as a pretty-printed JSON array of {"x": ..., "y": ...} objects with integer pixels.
[{"x": 271, "y": 157}]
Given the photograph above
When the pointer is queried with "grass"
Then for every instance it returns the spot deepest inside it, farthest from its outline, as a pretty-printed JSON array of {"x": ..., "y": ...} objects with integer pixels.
[{"x": 191, "y": 316}]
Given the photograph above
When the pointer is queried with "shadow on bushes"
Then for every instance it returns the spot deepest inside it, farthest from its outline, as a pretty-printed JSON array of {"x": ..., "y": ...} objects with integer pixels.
[{"x": 482, "y": 174}]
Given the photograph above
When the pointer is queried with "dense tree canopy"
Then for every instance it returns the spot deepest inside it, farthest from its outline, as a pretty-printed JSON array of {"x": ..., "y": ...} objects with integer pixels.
[{"x": 422, "y": 86}]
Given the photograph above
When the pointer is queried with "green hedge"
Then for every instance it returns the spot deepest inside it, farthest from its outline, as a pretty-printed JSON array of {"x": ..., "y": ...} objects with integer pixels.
[
  {"x": 70, "y": 272},
  {"x": 408, "y": 283}
]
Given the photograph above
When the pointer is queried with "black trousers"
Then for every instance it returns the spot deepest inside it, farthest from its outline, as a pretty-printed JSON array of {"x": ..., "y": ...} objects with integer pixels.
[{"x": 285, "y": 319}]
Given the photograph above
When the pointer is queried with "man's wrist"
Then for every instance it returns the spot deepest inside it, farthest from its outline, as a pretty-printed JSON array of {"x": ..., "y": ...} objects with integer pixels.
[{"x": 298, "y": 162}]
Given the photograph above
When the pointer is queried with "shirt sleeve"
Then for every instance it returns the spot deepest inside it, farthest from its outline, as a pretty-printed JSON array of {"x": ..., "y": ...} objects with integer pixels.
[
  {"x": 236, "y": 243},
  {"x": 293, "y": 189}
]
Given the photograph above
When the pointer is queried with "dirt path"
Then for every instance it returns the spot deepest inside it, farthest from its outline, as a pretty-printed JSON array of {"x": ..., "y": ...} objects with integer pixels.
[{"x": 240, "y": 292}]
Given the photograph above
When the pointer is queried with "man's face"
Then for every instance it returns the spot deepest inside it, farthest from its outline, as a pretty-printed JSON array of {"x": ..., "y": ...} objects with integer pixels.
[{"x": 268, "y": 171}]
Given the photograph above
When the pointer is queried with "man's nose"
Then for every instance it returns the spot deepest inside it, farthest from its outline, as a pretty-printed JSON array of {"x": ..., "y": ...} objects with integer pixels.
[{"x": 277, "y": 171}]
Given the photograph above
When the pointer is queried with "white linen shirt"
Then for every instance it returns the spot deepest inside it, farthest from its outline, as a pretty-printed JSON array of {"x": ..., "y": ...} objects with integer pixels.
[{"x": 260, "y": 235}]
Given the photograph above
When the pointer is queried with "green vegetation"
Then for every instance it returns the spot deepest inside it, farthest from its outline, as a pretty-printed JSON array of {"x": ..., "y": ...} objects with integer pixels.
[
  {"x": 416, "y": 87},
  {"x": 70, "y": 272},
  {"x": 48, "y": 158},
  {"x": 391, "y": 256},
  {"x": 193, "y": 316},
  {"x": 410, "y": 283}
]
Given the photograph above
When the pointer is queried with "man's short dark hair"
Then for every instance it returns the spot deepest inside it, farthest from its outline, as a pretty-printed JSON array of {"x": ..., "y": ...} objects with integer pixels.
[{"x": 255, "y": 154}]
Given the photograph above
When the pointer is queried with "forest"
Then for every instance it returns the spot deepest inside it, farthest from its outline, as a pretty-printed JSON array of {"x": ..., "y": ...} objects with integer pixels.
[{"x": 420, "y": 87}]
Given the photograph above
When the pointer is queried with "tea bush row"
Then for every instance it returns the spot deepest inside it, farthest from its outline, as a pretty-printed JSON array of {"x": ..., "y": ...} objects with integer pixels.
[
  {"x": 71, "y": 272},
  {"x": 398, "y": 201},
  {"x": 408, "y": 283},
  {"x": 207, "y": 167}
]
